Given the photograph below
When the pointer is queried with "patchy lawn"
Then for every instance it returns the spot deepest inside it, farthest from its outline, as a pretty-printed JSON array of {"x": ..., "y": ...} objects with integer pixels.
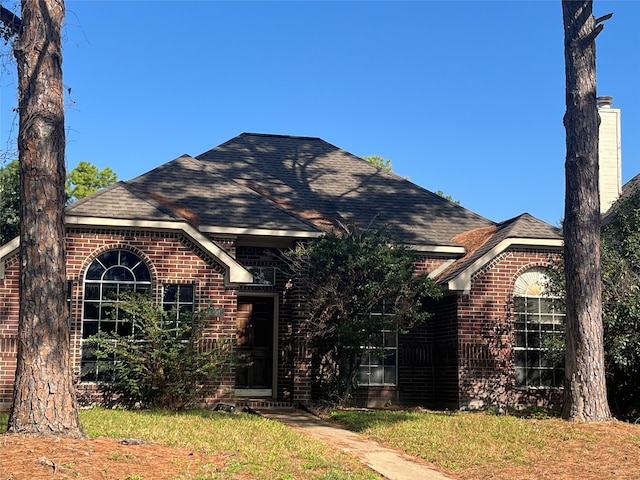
[
  {"x": 477, "y": 446},
  {"x": 162, "y": 445}
]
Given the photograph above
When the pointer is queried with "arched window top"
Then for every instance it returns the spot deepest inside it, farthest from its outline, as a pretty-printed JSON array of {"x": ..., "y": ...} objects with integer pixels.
[
  {"x": 119, "y": 266},
  {"x": 531, "y": 283}
]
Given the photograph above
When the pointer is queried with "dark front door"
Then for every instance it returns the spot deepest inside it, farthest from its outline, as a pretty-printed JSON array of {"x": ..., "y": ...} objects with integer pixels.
[{"x": 255, "y": 342}]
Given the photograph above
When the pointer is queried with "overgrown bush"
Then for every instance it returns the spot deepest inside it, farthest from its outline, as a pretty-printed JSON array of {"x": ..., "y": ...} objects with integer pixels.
[
  {"x": 163, "y": 362},
  {"x": 363, "y": 283}
]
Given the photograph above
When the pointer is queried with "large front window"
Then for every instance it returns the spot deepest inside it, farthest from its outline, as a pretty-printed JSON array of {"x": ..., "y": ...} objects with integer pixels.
[
  {"x": 178, "y": 302},
  {"x": 539, "y": 332},
  {"x": 110, "y": 275},
  {"x": 378, "y": 364}
]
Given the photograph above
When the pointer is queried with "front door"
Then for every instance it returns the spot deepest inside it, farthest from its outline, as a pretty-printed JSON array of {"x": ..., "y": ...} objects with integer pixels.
[{"x": 254, "y": 335}]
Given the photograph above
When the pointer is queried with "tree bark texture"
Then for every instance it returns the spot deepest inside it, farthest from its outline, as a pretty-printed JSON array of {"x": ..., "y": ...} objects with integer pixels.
[
  {"x": 585, "y": 396},
  {"x": 44, "y": 401}
]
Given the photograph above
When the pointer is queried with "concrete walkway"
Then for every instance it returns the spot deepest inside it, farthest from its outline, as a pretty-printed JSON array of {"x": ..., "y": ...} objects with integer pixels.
[{"x": 389, "y": 463}]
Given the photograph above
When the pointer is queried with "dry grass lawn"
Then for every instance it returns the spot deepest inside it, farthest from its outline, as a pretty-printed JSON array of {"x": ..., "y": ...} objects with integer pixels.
[
  {"x": 467, "y": 446},
  {"x": 479, "y": 446}
]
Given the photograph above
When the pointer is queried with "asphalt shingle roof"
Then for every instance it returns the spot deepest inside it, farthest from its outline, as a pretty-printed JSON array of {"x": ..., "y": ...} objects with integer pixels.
[
  {"x": 297, "y": 184},
  {"x": 311, "y": 175},
  {"x": 522, "y": 226}
]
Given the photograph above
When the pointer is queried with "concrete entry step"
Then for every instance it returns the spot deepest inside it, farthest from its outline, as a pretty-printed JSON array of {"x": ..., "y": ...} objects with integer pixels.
[{"x": 262, "y": 403}]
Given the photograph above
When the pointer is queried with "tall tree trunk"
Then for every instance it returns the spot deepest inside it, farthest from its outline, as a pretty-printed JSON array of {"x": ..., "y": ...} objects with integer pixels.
[
  {"x": 585, "y": 395},
  {"x": 44, "y": 399}
]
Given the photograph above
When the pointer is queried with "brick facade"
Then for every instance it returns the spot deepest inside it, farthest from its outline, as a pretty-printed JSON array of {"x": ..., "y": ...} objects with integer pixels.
[{"x": 460, "y": 357}]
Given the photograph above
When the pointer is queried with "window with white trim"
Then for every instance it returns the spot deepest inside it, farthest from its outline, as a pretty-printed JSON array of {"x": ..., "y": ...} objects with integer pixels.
[
  {"x": 110, "y": 275},
  {"x": 379, "y": 366},
  {"x": 178, "y": 300},
  {"x": 537, "y": 324}
]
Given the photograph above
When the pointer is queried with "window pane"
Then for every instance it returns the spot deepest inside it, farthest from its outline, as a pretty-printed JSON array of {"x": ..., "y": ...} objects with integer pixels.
[
  {"x": 363, "y": 376},
  {"x": 128, "y": 259},
  {"x": 533, "y": 378},
  {"x": 546, "y": 305},
  {"x": 533, "y": 358},
  {"x": 89, "y": 329},
  {"x": 377, "y": 375},
  {"x": 186, "y": 293},
  {"x": 170, "y": 293},
  {"x": 91, "y": 311},
  {"x": 109, "y": 291},
  {"x": 520, "y": 358},
  {"x": 142, "y": 273},
  {"x": 390, "y": 375},
  {"x": 365, "y": 359},
  {"x": 390, "y": 358},
  {"x": 92, "y": 291},
  {"x": 125, "y": 329},
  {"x": 374, "y": 359},
  {"x": 518, "y": 304},
  {"x": 107, "y": 326},
  {"x": 95, "y": 271},
  {"x": 110, "y": 258},
  {"x": 88, "y": 372},
  {"x": 108, "y": 312},
  {"x": 390, "y": 339},
  {"x": 533, "y": 340},
  {"x": 119, "y": 274}
]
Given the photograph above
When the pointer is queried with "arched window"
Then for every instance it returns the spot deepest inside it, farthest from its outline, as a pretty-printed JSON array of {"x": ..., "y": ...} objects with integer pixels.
[
  {"x": 110, "y": 275},
  {"x": 538, "y": 326}
]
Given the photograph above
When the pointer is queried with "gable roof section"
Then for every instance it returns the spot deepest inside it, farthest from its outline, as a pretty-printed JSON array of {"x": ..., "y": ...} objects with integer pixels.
[
  {"x": 483, "y": 245},
  {"x": 120, "y": 205},
  {"x": 325, "y": 184}
]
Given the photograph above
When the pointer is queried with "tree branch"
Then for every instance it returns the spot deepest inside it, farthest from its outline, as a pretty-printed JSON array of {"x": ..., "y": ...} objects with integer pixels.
[
  {"x": 604, "y": 18},
  {"x": 10, "y": 20},
  {"x": 592, "y": 36}
]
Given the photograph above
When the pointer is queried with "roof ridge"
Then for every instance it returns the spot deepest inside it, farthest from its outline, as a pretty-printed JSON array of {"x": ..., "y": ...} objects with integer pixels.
[{"x": 278, "y": 135}]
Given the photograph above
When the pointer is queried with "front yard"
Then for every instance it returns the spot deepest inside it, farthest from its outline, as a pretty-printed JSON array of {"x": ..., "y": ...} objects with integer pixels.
[{"x": 145, "y": 445}]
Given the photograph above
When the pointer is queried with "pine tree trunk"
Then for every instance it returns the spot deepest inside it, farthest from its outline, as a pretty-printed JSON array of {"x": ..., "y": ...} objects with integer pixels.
[
  {"x": 585, "y": 395},
  {"x": 44, "y": 398}
]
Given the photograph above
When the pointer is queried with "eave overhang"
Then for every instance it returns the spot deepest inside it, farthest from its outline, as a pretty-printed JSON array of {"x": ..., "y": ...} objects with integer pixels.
[
  {"x": 462, "y": 281},
  {"x": 5, "y": 251},
  {"x": 235, "y": 273}
]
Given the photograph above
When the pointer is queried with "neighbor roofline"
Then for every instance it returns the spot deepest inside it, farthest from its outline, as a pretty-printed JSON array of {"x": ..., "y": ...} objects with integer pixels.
[
  {"x": 235, "y": 272},
  {"x": 462, "y": 281}
]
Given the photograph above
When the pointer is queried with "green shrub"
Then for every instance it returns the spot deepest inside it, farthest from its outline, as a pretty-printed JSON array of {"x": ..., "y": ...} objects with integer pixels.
[{"x": 162, "y": 363}]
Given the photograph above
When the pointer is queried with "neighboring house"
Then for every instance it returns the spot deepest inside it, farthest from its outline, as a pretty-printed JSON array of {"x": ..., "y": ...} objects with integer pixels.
[{"x": 200, "y": 231}]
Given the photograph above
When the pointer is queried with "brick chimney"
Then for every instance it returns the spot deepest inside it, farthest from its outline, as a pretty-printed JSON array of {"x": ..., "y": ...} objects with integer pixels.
[{"x": 610, "y": 160}]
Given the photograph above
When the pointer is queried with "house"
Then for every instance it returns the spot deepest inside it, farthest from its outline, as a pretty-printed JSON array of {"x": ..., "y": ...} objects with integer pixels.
[{"x": 200, "y": 231}]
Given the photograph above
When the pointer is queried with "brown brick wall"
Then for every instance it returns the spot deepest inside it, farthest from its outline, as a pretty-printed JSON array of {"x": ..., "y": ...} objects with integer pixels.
[
  {"x": 9, "y": 311},
  {"x": 485, "y": 333},
  {"x": 460, "y": 357}
]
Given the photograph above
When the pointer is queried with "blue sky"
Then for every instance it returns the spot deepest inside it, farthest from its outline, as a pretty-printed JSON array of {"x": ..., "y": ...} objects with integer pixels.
[{"x": 466, "y": 97}]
